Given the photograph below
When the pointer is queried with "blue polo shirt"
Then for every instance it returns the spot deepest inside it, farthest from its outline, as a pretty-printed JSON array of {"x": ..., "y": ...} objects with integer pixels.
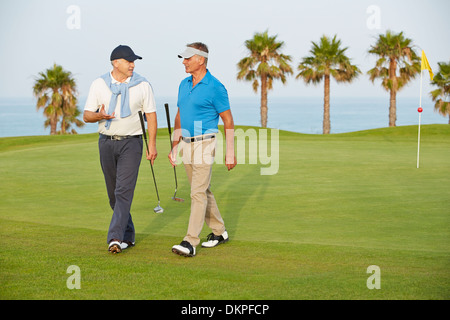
[{"x": 200, "y": 106}]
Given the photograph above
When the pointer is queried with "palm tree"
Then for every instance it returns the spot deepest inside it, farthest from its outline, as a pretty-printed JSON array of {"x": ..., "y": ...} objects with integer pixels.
[
  {"x": 69, "y": 119},
  {"x": 395, "y": 53},
  {"x": 55, "y": 90},
  {"x": 327, "y": 59},
  {"x": 442, "y": 94},
  {"x": 264, "y": 63}
]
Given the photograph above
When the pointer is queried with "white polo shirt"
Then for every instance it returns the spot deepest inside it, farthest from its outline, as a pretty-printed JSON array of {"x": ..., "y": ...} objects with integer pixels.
[{"x": 141, "y": 98}]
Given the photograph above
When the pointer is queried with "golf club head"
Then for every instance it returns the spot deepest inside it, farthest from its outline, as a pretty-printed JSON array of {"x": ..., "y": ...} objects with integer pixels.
[
  {"x": 175, "y": 198},
  {"x": 158, "y": 209},
  {"x": 178, "y": 199}
]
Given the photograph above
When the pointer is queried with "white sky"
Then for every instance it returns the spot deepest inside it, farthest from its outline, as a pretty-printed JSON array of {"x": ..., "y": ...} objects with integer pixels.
[{"x": 34, "y": 35}]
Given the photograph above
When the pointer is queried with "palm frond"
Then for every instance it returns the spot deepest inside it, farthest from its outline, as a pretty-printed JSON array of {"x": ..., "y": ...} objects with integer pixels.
[
  {"x": 264, "y": 58},
  {"x": 55, "y": 90},
  {"x": 327, "y": 57},
  {"x": 394, "y": 49},
  {"x": 441, "y": 95}
]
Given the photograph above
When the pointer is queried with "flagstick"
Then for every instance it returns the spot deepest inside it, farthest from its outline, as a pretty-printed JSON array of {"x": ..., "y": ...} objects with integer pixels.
[
  {"x": 418, "y": 143},
  {"x": 420, "y": 114},
  {"x": 424, "y": 65}
]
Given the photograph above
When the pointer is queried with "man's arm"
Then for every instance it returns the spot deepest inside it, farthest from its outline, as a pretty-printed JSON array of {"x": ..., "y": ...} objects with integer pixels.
[
  {"x": 228, "y": 124},
  {"x": 152, "y": 125},
  {"x": 176, "y": 139},
  {"x": 90, "y": 116}
]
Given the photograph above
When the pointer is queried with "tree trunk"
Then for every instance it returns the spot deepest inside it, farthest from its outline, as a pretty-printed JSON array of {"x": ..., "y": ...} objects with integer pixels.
[
  {"x": 326, "y": 106},
  {"x": 264, "y": 101},
  {"x": 53, "y": 124},
  {"x": 393, "y": 93},
  {"x": 63, "y": 118},
  {"x": 63, "y": 126},
  {"x": 392, "y": 108}
]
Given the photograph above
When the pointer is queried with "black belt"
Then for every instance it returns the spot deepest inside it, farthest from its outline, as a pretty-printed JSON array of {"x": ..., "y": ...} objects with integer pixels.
[
  {"x": 200, "y": 138},
  {"x": 118, "y": 138}
]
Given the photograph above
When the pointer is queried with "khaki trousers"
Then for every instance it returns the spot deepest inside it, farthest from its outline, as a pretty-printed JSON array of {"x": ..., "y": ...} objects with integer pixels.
[{"x": 198, "y": 158}]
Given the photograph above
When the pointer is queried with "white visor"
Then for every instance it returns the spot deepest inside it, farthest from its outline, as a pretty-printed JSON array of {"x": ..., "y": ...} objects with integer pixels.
[{"x": 190, "y": 52}]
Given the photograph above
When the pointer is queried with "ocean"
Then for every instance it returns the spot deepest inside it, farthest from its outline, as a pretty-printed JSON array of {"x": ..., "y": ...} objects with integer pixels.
[{"x": 19, "y": 116}]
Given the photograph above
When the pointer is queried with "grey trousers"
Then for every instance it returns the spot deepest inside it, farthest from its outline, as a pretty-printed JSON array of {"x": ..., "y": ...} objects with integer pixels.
[{"x": 120, "y": 161}]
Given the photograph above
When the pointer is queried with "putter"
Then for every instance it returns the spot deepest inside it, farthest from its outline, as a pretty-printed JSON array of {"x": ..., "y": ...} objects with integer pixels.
[
  {"x": 174, "y": 170},
  {"x": 158, "y": 208}
]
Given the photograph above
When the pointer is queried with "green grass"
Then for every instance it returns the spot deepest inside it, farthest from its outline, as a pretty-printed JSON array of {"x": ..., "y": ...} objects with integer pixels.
[{"x": 338, "y": 204}]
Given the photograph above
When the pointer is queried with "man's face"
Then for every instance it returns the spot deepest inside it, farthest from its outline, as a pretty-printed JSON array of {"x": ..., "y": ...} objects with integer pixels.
[
  {"x": 124, "y": 67},
  {"x": 193, "y": 63}
]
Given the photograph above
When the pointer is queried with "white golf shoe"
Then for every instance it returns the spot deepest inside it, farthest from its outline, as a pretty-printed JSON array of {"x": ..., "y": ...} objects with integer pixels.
[
  {"x": 115, "y": 247},
  {"x": 184, "y": 249},
  {"x": 214, "y": 240},
  {"x": 126, "y": 244}
]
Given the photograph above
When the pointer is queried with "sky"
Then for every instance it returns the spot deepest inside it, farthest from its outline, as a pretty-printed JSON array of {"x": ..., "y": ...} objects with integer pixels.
[{"x": 80, "y": 35}]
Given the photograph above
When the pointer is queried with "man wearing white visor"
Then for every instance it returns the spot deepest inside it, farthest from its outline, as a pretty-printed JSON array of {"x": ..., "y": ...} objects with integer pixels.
[{"x": 202, "y": 99}]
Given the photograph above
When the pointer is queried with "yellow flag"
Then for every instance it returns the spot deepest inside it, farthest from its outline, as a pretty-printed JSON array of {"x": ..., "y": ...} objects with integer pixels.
[{"x": 425, "y": 65}]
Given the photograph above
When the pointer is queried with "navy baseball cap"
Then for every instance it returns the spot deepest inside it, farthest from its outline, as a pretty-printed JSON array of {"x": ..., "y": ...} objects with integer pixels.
[{"x": 124, "y": 52}]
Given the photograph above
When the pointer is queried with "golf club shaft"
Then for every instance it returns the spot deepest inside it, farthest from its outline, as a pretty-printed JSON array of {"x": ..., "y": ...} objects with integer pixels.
[
  {"x": 170, "y": 139},
  {"x": 144, "y": 133}
]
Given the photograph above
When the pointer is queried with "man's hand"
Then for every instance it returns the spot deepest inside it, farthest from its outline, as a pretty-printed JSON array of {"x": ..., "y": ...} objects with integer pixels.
[
  {"x": 152, "y": 153},
  {"x": 90, "y": 117},
  {"x": 228, "y": 124},
  {"x": 230, "y": 161},
  {"x": 152, "y": 124},
  {"x": 173, "y": 157},
  {"x": 104, "y": 115}
]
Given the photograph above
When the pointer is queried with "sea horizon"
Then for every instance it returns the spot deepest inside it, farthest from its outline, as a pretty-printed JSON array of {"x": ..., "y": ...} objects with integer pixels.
[{"x": 20, "y": 117}]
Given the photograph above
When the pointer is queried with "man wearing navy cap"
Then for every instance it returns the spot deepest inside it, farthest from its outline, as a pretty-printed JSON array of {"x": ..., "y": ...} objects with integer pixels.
[
  {"x": 202, "y": 100},
  {"x": 114, "y": 101}
]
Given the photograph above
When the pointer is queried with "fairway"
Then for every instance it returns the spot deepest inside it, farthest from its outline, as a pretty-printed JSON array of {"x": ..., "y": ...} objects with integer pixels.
[{"x": 338, "y": 204}]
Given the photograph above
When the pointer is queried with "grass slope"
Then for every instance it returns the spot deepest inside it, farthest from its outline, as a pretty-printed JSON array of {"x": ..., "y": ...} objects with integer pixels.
[{"x": 338, "y": 204}]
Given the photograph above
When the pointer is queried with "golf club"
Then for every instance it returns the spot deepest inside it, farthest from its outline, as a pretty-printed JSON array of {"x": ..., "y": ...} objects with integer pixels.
[
  {"x": 158, "y": 208},
  {"x": 174, "y": 170}
]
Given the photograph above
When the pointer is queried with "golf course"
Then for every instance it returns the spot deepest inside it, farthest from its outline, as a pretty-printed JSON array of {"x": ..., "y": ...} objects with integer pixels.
[{"x": 338, "y": 204}]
